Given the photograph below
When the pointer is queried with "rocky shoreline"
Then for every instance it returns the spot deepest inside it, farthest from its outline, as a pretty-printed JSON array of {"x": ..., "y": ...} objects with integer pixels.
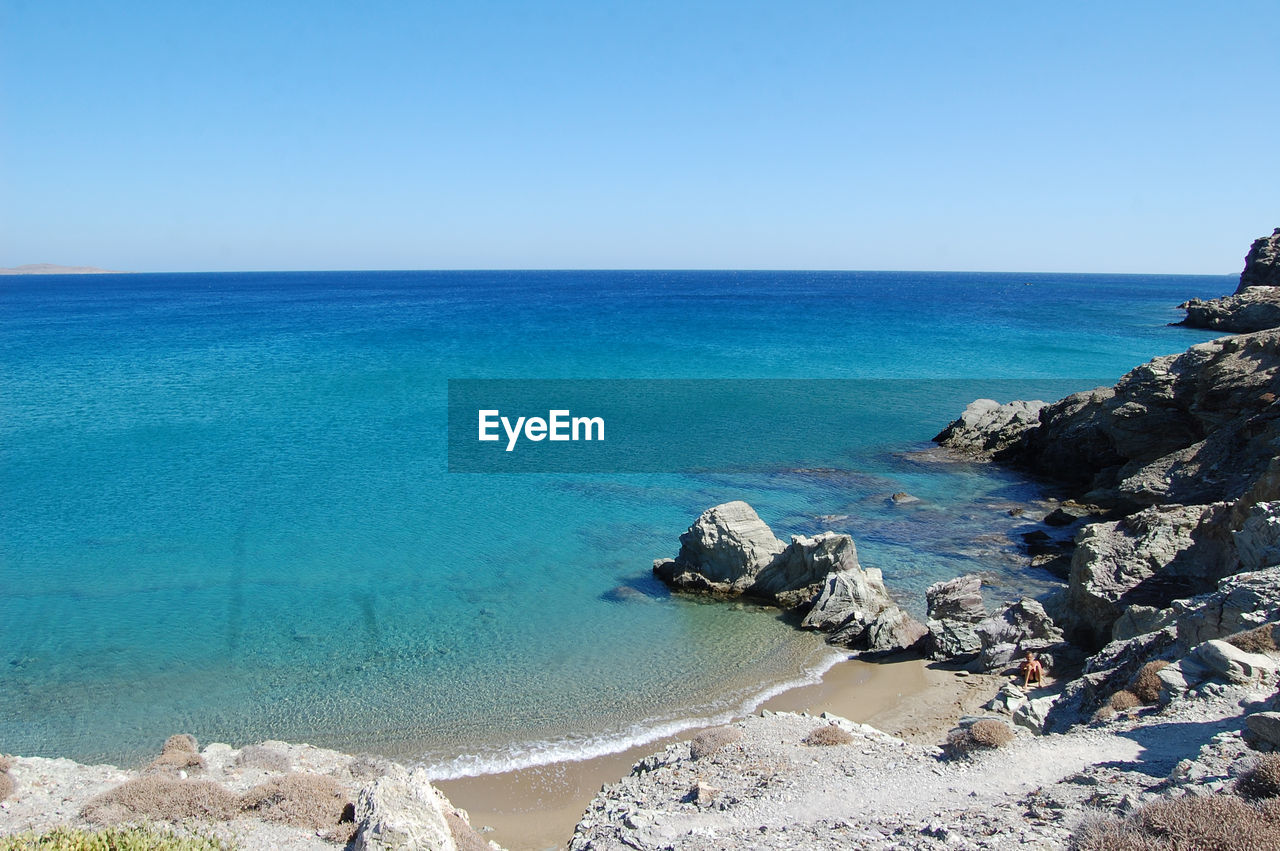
[{"x": 1255, "y": 305}]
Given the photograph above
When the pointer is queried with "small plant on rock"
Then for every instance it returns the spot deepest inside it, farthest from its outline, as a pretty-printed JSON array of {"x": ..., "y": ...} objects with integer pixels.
[
  {"x": 313, "y": 801},
  {"x": 1258, "y": 640},
  {"x": 986, "y": 734},
  {"x": 1218, "y": 822},
  {"x": 180, "y": 753},
  {"x": 162, "y": 799},
  {"x": 110, "y": 839},
  {"x": 6, "y": 780},
  {"x": 709, "y": 741},
  {"x": 1148, "y": 685},
  {"x": 828, "y": 735},
  {"x": 1104, "y": 714},
  {"x": 1262, "y": 779},
  {"x": 1124, "y": 700}
]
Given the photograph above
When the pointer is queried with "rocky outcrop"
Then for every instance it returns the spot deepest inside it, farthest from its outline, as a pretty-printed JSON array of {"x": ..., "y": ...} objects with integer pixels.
[
  {"x": 723, "y": 551},
  {"x": 729, "y": 550},
  {"x": 402, "y": 810},
  {"x": 1255, "y": 306},
  {"x": 1018, "y": 628},
  {"x": 1242, "y": 601},
  {"x": 955, "y": 608},
  {"x": 855, "y": 607},
  {"x": 1193, "y": 428},
  {"x": 1262, "y": 263},
  {"x": 988, "y": 428},
  {"x": 1256, "y": 309},
  {"x": 271, "y": 795},
  {"x": 1146, "y": 560}
]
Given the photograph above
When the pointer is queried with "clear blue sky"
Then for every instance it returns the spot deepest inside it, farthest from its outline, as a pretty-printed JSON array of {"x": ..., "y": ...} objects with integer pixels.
[{"x": 1020, "y": 136}]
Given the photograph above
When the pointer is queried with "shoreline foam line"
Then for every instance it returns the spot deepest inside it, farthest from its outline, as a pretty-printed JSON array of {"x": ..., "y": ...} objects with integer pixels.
[{"x": 524, "y": 755}]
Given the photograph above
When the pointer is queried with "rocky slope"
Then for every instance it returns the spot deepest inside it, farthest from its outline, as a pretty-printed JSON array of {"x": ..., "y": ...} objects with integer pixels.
[
  {"x": 786, "y": 781},
  {"x": 1255, "y": 306},
  {"x": 272, "y": 795}
]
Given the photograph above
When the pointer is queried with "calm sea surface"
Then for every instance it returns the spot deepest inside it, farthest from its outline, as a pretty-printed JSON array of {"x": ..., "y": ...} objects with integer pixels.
[{"x": 224, "y": 505}]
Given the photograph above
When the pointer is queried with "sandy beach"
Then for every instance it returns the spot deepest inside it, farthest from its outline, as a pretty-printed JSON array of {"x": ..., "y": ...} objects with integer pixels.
[{"x": 535, "y": 809}]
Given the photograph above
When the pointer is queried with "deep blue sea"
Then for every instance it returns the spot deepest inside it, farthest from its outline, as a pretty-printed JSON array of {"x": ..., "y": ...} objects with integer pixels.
[{"x": 225, "y": 506}]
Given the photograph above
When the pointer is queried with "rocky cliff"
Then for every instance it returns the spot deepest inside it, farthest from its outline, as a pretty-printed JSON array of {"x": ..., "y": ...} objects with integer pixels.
[{"x": 1255, "y": 306}]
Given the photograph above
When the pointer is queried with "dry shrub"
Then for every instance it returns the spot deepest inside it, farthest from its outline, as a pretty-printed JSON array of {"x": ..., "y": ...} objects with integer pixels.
[
  {"x": 1147, "y": 685},
  {"x": 464, "y": 836},
  {"x": 709, "y": 741},
  {"x": 1262, "y": 779},
  {"x": 1122, "y": 700},
  {"x": 5, "y": 763},
  {"x": 163, "y": 799},
  {"x": 180, "y": 752},
  {"x": 1258, "y": 640},
  {"x": 986, "y": 734},
  {"x": 313, "y": 801},
  {"x": 268, "y": 759},
  {"x": 1218, "y": 822},
  {"x": 6, "y": 786},
  {"x": 110, "y": 839},
  {"x": 828, "y": 735},
  {"x": 1104, "y": 714}
]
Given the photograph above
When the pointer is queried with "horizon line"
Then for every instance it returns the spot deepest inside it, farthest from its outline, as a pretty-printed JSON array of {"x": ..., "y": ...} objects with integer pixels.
[{"x": 84, "y": 271}]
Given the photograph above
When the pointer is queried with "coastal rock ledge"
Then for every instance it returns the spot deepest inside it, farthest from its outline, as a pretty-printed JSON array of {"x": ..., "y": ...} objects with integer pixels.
[
  {"x": 730, "y": 551},
  {"x": 1255, "y": 306}
]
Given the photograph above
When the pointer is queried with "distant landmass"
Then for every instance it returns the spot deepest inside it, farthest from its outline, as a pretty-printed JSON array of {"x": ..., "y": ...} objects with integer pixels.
[{"x": 52, "y": 269}]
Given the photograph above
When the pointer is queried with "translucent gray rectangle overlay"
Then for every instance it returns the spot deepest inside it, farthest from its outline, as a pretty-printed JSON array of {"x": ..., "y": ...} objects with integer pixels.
[{"x": 706, "y": 425}]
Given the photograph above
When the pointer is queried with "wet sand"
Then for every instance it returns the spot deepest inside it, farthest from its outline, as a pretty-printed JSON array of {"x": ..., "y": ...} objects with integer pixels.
[{"x": 536, "y": 809}]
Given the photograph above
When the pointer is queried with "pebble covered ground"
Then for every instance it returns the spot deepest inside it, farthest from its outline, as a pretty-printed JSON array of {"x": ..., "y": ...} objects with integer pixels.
[{"x": 769, "y": 790}]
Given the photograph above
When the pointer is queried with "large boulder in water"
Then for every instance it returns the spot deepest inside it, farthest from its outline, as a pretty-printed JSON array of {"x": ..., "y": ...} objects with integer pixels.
[
  {"x": 724, "y": 550},
  {"x": 729, "y": 550}
]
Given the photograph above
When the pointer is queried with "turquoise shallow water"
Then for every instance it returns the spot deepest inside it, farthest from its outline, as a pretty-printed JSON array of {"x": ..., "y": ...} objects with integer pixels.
[{"x": 225, "y": 506}]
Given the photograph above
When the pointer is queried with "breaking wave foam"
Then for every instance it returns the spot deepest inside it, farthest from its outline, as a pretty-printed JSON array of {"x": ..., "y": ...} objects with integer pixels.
[{"x": 576, "y": 749}]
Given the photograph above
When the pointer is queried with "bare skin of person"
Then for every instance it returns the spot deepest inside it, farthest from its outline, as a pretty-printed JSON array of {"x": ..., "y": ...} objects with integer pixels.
[{"x": 1032, "y": 670}]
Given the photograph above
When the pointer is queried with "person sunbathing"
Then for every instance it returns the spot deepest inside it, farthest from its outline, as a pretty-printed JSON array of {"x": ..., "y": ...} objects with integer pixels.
[{"x": 1032, "y": 670}]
